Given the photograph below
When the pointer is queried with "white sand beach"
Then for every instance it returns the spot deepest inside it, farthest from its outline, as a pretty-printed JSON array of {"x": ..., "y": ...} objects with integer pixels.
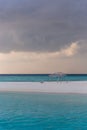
[{"x": 49, "y": 87}]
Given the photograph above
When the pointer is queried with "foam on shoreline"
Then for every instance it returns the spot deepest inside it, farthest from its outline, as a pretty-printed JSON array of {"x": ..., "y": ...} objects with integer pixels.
[{"x": 49, "y": 87}]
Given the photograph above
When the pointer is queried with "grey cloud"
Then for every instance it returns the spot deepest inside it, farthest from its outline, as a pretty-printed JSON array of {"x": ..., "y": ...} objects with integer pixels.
[{"x": 41, "y": 25}]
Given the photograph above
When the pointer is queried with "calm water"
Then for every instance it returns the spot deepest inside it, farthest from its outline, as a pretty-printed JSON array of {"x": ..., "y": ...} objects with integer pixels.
[
  {"x": 28, "y": 111},
  {"x": 39, "y": 77}
]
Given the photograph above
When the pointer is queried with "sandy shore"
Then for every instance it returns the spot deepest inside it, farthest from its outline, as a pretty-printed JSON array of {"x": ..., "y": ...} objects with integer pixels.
[{"x": 49, "y": 87}]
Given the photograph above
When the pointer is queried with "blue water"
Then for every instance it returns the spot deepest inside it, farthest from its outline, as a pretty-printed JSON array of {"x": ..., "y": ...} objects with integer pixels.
[
  {"x": 40, "y": 77},
  {"x": 28, "y": 111}
]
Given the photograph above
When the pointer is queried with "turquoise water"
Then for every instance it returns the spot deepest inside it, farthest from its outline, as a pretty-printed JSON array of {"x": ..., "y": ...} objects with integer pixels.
[
  {"x": 28, "y": 111},
  {"x": 40, "y": 77}
]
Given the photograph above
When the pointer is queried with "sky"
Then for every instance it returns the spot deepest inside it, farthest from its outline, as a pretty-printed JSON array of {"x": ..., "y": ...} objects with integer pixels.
[{"x": 43, "y": 36}]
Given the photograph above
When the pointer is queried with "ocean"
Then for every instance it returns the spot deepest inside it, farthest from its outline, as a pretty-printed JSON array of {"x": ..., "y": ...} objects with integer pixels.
[
  {"x": 26, "y": 103},
  {"x": 40, "y": 77},
  {"x": 41, "y": 111}
]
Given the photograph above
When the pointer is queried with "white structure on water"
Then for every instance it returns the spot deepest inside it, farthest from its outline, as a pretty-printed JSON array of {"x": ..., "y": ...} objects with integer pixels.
[{"x": 59, "y": 75}]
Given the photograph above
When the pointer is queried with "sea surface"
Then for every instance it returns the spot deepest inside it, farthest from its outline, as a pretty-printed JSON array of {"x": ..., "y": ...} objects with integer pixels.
[
  {"x": 37, "y": 111},
  {"x": 40, "y": 77},
  {"x": 42, "y": 111}
]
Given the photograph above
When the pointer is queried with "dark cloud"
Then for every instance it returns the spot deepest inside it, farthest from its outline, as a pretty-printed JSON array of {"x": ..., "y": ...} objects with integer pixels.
[{"x": 41, "y": 25}]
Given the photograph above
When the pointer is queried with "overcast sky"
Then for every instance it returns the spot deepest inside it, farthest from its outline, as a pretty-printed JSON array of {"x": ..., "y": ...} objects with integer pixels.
[{"x": 43, "y": 36}]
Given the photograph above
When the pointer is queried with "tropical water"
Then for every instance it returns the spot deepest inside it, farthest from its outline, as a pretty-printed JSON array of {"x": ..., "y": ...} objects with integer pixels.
[
  {"x": 35, "y": 111},
  {"x": 40, "y": 77}
]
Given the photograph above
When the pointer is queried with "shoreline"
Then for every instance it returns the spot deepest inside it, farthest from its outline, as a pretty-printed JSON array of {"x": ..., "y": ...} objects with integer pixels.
[{"x": 70, "y": 87}]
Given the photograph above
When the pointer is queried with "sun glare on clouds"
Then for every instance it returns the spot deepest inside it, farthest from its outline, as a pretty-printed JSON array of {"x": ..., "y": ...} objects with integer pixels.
[{"x": 31, "y": 62}]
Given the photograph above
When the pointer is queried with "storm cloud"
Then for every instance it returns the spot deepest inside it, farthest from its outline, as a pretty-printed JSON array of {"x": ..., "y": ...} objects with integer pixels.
[{"x": 42, "y": 25}]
